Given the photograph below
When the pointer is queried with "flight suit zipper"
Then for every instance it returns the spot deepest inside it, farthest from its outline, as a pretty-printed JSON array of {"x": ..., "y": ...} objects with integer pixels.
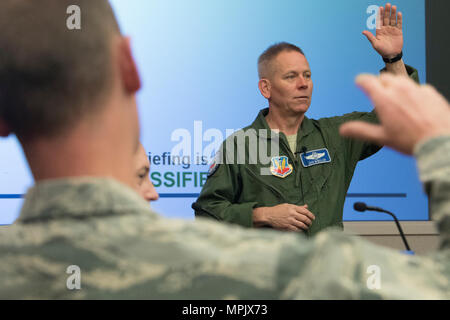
[{"x": 296, "y": 165}]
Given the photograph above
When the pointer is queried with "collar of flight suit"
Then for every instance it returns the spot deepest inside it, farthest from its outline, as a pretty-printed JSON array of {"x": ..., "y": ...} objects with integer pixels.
[
  {"x": 260, "y": 122},
  {"x": 80, "y": 198}
]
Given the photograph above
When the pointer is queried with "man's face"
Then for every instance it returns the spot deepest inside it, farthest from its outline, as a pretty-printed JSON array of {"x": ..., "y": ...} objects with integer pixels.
[
  {"x": 291, "y": 84},
  {"x": 142, "y": 181}
]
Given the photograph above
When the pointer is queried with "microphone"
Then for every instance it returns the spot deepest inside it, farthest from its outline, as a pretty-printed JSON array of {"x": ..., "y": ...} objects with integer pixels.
[{"x": 361, "y": 207}]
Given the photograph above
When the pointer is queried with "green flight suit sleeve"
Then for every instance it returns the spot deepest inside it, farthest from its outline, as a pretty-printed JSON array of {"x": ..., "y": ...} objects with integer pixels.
[
  {"x": 365, "y": 150},
  {"x": 358, "y": 150},
  {"x": 352, "y": 149},
  {"x": 217, "y": 198},
  {"x": 412, "y": 72}
]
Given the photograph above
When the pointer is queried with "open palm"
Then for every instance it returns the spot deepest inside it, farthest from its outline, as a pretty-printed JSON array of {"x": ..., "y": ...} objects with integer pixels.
[{"x": 388, "y": 41}]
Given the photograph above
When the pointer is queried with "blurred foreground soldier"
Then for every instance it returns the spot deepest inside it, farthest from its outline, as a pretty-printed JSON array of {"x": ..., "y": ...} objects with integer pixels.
[{"x": 84, "y": 233}]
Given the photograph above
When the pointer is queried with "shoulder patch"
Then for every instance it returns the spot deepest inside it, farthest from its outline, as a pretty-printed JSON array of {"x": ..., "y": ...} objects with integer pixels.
[
  {"x": 213, "y": 168},
  {"x": 215, "y": 164}
]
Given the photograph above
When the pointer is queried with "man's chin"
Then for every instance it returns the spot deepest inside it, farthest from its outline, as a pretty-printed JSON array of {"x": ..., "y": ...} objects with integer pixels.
[{"x": 300, "y": 108}]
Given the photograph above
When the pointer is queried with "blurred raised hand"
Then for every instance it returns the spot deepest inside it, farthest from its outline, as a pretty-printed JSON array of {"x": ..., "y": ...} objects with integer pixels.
[{"x": 409, "y": 113}]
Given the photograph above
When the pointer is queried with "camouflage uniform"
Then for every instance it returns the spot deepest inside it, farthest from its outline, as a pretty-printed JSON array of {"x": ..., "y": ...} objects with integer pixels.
[
  {"x": 124, "y": 250},
  {"x": 433, "y": 160}
]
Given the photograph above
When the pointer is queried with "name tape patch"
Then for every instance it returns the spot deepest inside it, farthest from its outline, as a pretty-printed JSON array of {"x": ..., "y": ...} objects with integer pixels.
[{"x": 315, "y": 157}]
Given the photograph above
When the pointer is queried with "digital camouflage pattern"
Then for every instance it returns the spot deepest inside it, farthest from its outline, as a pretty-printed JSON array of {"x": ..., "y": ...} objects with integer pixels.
[
  {"x": 126, "y": 251},
  {"x": 433, "y": 160}
]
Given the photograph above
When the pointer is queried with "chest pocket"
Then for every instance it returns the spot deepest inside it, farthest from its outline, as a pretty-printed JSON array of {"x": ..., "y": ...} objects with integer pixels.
[{"x": 262, "y": 187}]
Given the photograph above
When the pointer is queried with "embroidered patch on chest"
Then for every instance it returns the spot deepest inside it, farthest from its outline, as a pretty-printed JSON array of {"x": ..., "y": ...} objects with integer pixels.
[
  {"x": 315, "y": 157},
  {"x": 280, "y": 167}
]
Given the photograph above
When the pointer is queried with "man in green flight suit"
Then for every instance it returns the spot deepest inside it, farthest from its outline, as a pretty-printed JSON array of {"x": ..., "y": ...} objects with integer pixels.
[{"x": 304, "y": 185}]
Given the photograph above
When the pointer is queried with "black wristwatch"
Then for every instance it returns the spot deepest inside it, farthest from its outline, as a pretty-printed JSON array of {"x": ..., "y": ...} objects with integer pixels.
[{"x": 395, "y": 59}]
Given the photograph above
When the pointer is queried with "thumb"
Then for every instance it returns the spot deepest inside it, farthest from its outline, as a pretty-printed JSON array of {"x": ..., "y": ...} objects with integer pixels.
[
  {"x": 370, "y": 36},
  {"x": 363, "y": 131}
]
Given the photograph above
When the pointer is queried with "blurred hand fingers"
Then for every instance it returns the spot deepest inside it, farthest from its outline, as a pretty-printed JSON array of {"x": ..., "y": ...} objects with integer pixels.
[
  {"x": 376, "y": 87},
  {"x": 363, "y": 131}
]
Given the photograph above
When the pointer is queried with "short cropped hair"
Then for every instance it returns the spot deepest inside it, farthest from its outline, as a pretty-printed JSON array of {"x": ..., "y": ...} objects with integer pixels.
[
  {"x": 266, "y": 58},
  {"x": 51, "y": 76}
]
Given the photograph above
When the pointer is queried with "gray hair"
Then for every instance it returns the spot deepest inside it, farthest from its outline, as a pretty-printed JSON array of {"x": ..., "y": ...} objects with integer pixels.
[{"x": 266, "y": 58}]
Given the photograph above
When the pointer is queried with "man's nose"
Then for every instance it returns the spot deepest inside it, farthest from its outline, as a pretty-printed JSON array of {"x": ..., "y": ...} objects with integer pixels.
[
  {"x": 302, "y": 83},
  {"x": 151, "y": 194}
]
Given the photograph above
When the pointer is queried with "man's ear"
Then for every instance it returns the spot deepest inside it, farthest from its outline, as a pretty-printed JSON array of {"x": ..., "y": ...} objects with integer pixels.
[
  {"x": 265, "y": 88},
  {"x": 4, "y": 129},
  {"x": 128, "y": 69}
]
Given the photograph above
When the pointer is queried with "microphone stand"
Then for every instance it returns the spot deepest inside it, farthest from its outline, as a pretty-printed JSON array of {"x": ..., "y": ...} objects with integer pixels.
[
  {"x": 361, "y": 206},
  {"x": 399, "y": 228}
]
